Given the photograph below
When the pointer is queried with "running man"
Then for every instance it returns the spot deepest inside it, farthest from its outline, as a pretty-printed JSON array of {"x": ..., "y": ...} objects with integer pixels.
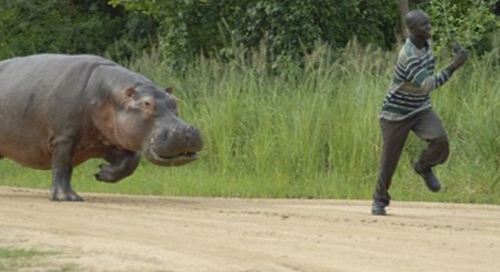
[{"x": 407, "y": 107}]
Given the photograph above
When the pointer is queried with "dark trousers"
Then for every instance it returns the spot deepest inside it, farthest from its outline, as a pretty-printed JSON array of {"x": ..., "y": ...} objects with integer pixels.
[{"x": 427, "y": 126}]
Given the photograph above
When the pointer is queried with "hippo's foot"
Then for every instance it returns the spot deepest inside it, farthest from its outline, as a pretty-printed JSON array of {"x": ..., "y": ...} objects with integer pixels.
[
  {"x": 122, "y": 164},
  {"x": 59, "y": 194},
  {"x": 109, "y": 173}
]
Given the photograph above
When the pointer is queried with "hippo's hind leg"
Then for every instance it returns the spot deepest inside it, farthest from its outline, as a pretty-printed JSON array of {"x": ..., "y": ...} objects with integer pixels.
[
  {"x": 122, "y": 163},
  {"x": 61, "y": 171}
]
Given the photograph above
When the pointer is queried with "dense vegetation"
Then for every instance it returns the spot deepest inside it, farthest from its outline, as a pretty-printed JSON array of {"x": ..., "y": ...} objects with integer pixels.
[
  {"x": 287, "y": 29},
  {"x": 308, "y": 128},
  {"x": 72, "y": 26}
]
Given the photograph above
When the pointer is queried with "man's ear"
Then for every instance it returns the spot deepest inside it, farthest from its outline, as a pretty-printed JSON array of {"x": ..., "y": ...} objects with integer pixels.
[{"x": 169, "y": 90}]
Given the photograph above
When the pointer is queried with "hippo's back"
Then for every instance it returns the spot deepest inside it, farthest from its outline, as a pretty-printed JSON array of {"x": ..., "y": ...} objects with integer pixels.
[
  {"x": 39, "y": 96},
  {"x": 50, "y": 69}
]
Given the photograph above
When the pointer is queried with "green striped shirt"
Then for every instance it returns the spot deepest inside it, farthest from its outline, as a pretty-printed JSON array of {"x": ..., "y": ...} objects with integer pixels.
[{"x": 413, "y": 81}]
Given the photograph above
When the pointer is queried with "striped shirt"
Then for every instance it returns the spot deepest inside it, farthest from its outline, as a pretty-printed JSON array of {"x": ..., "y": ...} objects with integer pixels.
[{"x": 413, "y": 81}]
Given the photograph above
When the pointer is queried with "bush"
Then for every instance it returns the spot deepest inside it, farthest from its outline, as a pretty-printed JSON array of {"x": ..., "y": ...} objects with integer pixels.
[
  {"x": 70, "y": 26},
  {"x": 471, "y": 23},
  {"x": 289, "y": 29}
]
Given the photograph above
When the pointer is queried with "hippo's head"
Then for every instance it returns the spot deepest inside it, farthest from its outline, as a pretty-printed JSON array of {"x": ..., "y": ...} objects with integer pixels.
[{"x": 145, "y": 118}]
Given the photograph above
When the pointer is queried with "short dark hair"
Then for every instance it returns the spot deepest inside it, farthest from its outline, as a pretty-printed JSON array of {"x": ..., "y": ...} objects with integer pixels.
[{"x": 411, "y": 17}]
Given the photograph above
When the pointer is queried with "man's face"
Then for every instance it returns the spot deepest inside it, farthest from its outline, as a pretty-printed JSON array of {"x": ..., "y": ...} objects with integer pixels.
[{"x": 422, "y": 27}]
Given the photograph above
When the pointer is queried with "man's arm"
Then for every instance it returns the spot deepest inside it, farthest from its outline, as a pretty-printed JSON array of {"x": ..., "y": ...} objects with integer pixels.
[{"x": 428, "y": 82}]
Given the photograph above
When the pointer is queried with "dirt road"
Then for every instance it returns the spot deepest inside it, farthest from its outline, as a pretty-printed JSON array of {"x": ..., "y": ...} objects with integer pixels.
[{"x": 124, "y": 233}]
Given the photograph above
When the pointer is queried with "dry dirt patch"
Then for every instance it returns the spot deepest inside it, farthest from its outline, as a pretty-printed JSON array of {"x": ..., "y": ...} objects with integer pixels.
[{"x": 129, "y": 233}]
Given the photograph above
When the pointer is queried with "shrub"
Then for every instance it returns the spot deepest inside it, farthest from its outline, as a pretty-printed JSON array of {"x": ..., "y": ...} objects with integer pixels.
[
  {"x": 289, "y": 29},
  {"x": 471, "y": 23},
  {"x": 70, "y": 26}
]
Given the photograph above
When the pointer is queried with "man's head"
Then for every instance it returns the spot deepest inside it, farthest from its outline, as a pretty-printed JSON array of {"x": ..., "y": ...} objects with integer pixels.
[{"x": 419, "y": 24}]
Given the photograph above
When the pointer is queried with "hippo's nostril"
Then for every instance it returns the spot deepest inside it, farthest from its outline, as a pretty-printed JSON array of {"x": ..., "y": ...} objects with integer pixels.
[
  {"x": 164, "y": 135},
  {"x": 190, "y": 131},
  {"x": 193, "y": 131},
  {"x": 179, "y": 139}
]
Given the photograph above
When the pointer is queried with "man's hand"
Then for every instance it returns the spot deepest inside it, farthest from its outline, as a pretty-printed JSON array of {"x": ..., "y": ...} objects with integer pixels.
[{"x": 461, "y": 56}]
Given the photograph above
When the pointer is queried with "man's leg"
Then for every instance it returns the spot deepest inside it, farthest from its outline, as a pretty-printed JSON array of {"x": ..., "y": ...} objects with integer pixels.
[
  {"x": 430, "y": 128},
  {"x": 394, "y": 135}
]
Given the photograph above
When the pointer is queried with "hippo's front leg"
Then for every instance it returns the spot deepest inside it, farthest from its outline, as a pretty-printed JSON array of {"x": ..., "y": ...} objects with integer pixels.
[
  {"x": 61, "y": 172},
  {"x": 122, "y": 163}
]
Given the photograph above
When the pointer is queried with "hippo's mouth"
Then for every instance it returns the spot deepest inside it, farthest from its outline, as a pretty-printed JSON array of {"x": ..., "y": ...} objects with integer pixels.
[
  {"x": 185, "y": 155},
  {"x": 171, "y": 159}
]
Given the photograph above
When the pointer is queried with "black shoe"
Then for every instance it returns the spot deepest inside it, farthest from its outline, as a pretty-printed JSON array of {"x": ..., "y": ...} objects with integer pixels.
[
  {"x": 378, "y": 209},
  {"x": 430, "y": 179}
]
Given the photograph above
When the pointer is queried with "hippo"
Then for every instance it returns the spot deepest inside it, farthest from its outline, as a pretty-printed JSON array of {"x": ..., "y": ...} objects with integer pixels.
[{"x": 57, "y": 111}]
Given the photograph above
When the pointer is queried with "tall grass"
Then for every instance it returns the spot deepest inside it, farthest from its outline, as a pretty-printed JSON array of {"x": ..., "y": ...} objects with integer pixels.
[{"x": 313, "y": 133}]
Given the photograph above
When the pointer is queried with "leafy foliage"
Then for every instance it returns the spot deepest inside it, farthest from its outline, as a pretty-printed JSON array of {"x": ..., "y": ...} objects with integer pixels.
[
  {"x": 289, "y": 29},
  {"x": 70, "y": 26},
  {"x": 468, "y": 22}
]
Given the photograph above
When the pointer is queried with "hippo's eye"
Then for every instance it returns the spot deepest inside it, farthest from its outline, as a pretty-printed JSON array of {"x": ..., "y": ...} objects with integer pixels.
[
  {"x": 147, "y": 103},
  {"x": 148, "y": 106}
]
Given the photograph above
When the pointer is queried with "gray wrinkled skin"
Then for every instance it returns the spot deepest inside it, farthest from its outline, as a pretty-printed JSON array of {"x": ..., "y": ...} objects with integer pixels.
[{"x": 57, "y": 111}]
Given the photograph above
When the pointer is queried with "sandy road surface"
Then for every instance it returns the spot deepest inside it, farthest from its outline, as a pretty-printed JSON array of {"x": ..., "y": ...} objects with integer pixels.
[{"x": 123, "y": 233}]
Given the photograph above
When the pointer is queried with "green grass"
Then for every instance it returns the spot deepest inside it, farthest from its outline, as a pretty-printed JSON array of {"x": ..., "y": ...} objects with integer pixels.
[
  {"x": 310, "y": 134},
  {"x": 14, "y": 259}
]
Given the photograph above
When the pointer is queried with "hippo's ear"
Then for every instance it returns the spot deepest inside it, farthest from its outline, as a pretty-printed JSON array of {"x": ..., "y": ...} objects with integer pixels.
[
  {"x": 169, "y": 90},
  {"x": 129, "y": 92}
]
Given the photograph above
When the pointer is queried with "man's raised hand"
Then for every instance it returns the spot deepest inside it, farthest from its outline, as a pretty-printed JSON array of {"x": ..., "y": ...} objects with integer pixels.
[{"x": 460, "y": 56}]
